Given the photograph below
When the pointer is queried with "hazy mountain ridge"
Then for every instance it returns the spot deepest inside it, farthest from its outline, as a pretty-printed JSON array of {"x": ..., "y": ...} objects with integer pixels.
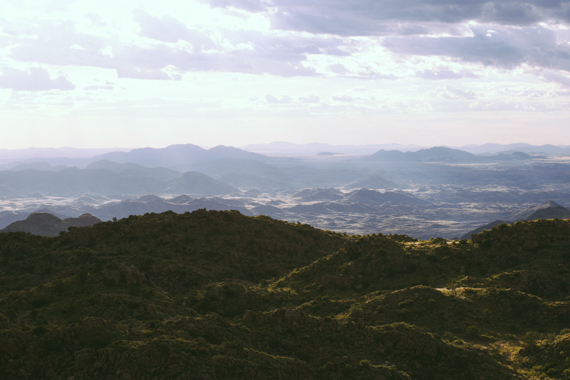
[
  {"x": 46, "y": 224},
  {"x": 444, "y": 155},
  {"x": 131, "y": 179},
  {"x": 222, "y": 294},
  {"x": 448, "y": 194}
]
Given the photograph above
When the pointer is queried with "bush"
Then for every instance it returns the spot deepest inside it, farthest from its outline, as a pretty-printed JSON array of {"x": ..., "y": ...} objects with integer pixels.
[
  {"x": 364, "y": 363},
  {"x": 531, "y": 337},
  {"x": 406, "y": 303},
  {"x": 487, "y": 315},
  {"x": 347, "y": 369},
  {"x": 472, "y": 331},
  {"x": 39, "y": 330}
]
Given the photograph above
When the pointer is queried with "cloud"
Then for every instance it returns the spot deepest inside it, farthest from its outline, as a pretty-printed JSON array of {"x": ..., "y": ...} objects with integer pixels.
[
  {"x": 338, "y": 68},
  {"x": 169, "y": 29},
  {"x": 506, "y": 47},
  {"x": 343, "y": 98},
  {"x": 311, "y": 99},
  {"x": 273, "y": 100},
  {"x": 243, "y": 51},
  {"x": 401, "y": 17},
  {"x": 96, "y": 19},
  {"x": 248, "y": 5},
  {"x": 564, "y": 81},
  {"x": 58, "y": 5},
  {"x": 35, "y": 79},
  {"x": 454, "y": 93},
  {"x": 444, "y": 74},
  {"x": 100, "y": 87}
]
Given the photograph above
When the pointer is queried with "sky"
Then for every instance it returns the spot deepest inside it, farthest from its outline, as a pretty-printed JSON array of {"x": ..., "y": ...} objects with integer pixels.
[{"x": 235, "y": 72}]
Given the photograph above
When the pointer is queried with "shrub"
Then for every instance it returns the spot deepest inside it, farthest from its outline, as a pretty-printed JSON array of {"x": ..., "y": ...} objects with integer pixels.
[
  {"x": 347, "y": 369},
  {"x": 39, "y": 330},
  {"x": 487, "y": 315},
  {"x": 472, "y": 331},
  {"x": 364, "y": 363},
  {"x": 531, "y": 337},
  {"x": 406, "y": 303},
  {"x": 58, "y": 286}
]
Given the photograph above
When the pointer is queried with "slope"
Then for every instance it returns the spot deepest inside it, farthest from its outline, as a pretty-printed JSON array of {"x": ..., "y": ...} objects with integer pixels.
[{"x": 219, "y": 295}]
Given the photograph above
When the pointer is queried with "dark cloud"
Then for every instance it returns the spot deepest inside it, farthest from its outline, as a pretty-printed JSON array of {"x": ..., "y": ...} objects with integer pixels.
[
  {"x": 398, "y": 17},
  {"x": 35, "y": 79},
  {"x": 506, "y": 47}
]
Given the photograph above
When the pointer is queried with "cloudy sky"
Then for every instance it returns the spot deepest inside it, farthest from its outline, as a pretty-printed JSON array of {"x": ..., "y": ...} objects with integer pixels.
[{"x": 122, "y": 73}]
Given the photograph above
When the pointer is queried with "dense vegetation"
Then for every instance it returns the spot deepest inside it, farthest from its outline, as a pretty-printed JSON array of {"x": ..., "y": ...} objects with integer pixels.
[{"x": 218, "y": 295}]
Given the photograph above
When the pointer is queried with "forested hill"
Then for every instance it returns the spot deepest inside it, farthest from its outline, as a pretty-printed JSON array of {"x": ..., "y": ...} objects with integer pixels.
[{"x": 219, "y": 295}]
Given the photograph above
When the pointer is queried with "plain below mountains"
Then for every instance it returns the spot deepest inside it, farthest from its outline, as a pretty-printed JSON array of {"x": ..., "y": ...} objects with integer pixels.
[
  {"x": 45, "y": 224},
  {"x": 547, "y": 210}
]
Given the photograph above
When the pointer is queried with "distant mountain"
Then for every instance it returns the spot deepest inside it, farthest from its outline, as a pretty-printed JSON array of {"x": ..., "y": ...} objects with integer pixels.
[
  {"x": 248, "y": 181},
  {"x": 487, "y": 226},
  {"x": 315, "y": 208},
  {"x": 547, "y": 210},
  {"x": 437, "y": 154},
  {"x": 181, "y": 199},
  {"x": 371, "y": 197},
  {"x": 527, "y": 212},
  {"x": 320, "y": 195},
  {"x": 153, "y": 204},
  {"x": 45, "y": 224},
  {"x": 550, "y": 213},
  {"x": 109, "y": 178},
  {"x": 374, "y": 182},
  {"x": 30, "y": 153},
  {"x": 8, "y": 217},
  {"x": 222, "y": 151},
  {"x": 440, "y": 154},
  {"x": 521, "y": 147},
  {"x": 131, "y": 169},
  {"x": 282, "y": 148},
  {"x": 38, "y": 166},
  {"x": 178, "y": 156},
  {"x": 197, "y": 183}
]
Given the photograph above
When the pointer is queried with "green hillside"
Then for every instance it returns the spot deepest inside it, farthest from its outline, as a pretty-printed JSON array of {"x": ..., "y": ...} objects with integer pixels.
[{"x": 218, "y": 295}]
